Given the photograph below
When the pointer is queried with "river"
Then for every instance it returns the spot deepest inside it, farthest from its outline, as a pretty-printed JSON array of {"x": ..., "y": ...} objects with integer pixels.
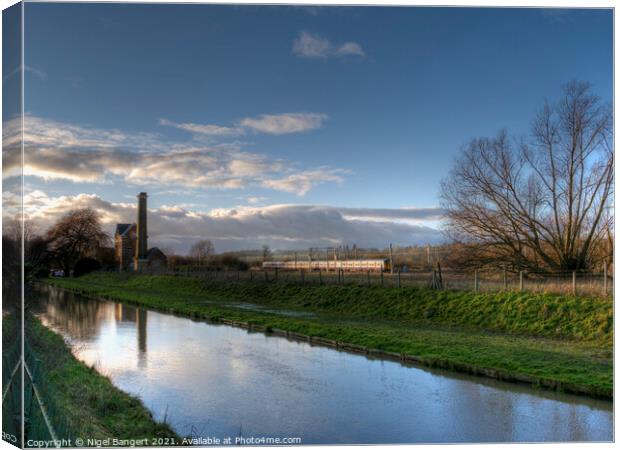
[{"x": 217, "y": 381}]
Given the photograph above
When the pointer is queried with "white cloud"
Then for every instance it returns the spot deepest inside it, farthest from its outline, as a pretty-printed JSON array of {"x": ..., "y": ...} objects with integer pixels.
[
  {"x": 210, "y": 130},
  {"x": 278, "y": 124},
  {"x": 279, "y": 226},
  {"x": 284, "y": 123},
  {"x": 302, "y": 182},
  {"x": 61, "y": 151},
  {"x": 350, "y": 48},
  {"x": 308, "y": 45}
]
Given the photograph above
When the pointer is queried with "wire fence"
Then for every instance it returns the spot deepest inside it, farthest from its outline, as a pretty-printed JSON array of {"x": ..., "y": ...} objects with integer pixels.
[
  {"x": 570, "y": 283},
  {"x": 12, "y": 393},
  {"x": 43, "y": 421}
]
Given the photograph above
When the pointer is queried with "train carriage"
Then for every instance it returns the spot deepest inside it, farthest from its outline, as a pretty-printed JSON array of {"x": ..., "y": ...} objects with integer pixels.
[{"x": 351, "y": 265}]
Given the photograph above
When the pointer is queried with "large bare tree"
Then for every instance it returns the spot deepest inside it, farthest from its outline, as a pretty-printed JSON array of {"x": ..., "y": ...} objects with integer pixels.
[
  {"x": 540, "y": 202},
  {"x": 77, "y": 234}
]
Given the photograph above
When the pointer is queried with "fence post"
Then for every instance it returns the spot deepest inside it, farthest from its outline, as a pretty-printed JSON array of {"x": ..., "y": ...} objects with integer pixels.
[
  {"x": 266, "y": 276},
  {"x": 251, "y": 275},
  {"x": 391, "y": 260},
  {"x": 382, "y": 278},
  {"x": 238, "y": 275},
  {"x": 320, "y": 278},
  {"x": 574, "y": 282},
  {"x": 604, "y": 277},
  {"x": 505, "y": 279},
  {"x": 301, "y": 275},
  {"x": 476, "y": 280},
  {"x": 276, "y": 275},
  {"x": 368, "y": 278},
  {"x": 342, "y": 271},
  {"x": 520, "y": 280},
  {"x": 398, "y": 277}
]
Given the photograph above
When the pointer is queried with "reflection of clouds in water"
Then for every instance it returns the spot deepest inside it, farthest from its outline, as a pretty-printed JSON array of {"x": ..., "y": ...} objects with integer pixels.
[{"x": 216, "y": 378}]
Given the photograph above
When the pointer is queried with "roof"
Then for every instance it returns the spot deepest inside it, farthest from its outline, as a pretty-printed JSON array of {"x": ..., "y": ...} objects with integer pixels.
[
  {"x": 122, "y": 228},
  {"x": 154, "y": 252}
]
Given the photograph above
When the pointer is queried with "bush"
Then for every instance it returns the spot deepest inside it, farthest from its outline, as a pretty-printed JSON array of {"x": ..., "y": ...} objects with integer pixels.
[
  {"x": 85, "y": 266},
  {"x": 232, "y": 262}
]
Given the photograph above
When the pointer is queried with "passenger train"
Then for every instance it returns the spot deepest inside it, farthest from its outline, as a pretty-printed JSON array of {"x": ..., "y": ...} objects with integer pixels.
[{"x": 351, "y": 265}]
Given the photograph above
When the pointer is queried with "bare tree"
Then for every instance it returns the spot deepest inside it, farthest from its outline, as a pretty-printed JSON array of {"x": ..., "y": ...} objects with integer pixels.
[
  {"x": 538, "y": 202},
  {"x": 202, "y": 251},
  {"x": 34, "y": 246},
  {"x": 267, "y": 253},
  {"x": 77, "y": 234}
]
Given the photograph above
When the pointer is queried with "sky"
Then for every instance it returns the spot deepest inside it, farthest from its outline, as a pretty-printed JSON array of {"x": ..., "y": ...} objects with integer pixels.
[{"x": 288, "y": 126}]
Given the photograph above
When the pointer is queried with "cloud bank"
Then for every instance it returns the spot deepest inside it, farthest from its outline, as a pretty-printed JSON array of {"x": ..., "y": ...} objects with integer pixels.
[{"x": 246, "y": 227}]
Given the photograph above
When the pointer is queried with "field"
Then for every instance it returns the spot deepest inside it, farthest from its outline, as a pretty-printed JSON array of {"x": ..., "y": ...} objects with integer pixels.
[{"x": 556, "y": 341}]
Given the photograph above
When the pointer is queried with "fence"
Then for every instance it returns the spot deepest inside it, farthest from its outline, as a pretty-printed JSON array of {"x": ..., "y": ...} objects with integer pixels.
[
  {"x": 12, "y": 393},
  {"x": 42, "y": 420},
  {"x": 573, "y": 283}
]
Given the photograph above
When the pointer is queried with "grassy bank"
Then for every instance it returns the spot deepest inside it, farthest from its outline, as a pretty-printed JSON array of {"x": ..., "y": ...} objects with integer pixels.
[
  {"x": 89, "y": 404},
  {"x": 549, "y": 340}
]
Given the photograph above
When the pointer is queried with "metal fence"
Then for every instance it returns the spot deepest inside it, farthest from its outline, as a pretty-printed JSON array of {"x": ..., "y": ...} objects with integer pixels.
[
  {"x": 572, "y": 283},
  {"x": 42, "y": 420},
  {"x": 12, "y": 393}
]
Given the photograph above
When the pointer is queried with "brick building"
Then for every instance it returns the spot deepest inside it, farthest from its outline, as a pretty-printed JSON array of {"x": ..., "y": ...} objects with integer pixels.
[{"x": 131, "y": 245}]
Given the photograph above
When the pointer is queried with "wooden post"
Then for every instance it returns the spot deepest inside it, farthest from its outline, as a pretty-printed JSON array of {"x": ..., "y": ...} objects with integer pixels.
[
  {"x": 266, "y": 276},
  {"x": 604, "y": 277},
  {"x": 520, "y": 281},
  {"x": 367, "y": 277},
  {"x": 342, "y": 271},
  {"x": 476, "y": 280},
  {"x": 381, "y": 277},
  {"x": 391, "y": 260},
  {"x": 505, "y": 279},
  {"x": 398, "y": 278},
  {"x": 320, "y": 278},
  {"x": 574, "y": 282},
  {"x": 276, "y": 274},
  {"x": 251, "y": 275}
]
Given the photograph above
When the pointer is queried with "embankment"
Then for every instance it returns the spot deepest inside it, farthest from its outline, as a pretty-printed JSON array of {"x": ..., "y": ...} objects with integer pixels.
[{"x": 554, "y": 341}]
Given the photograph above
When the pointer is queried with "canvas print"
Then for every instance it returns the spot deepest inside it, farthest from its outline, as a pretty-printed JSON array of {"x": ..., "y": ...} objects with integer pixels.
[{"x": 282, "y": 225}]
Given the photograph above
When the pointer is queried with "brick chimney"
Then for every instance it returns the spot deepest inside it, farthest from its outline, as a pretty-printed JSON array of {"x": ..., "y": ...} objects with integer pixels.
[{"x": 141, "y": 235}]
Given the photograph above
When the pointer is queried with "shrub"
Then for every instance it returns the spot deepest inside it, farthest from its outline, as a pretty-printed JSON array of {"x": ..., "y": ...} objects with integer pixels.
[{"x": 85, "y": 266}]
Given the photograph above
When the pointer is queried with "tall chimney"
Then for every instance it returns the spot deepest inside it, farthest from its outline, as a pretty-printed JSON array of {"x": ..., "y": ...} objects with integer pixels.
[{"x": 141, "y": 236}]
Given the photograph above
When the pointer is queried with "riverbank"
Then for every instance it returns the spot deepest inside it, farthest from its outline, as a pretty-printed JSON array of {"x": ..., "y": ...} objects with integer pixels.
[
  {"x": 552, "y": 341},
  {"x": 89, "y": 405}
]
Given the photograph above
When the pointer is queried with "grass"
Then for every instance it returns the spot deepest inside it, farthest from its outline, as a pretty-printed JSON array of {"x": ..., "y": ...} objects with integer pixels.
[
  {"x": 90, "y": 404},
  {"x": 549, "y": 340}
]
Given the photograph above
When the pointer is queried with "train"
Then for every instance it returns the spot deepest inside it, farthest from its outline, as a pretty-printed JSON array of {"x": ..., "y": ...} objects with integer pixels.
[{"x": 351, "y": 265}]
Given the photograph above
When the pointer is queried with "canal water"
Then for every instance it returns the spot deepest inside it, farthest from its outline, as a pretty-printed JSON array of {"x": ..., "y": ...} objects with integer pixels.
[{"x": 216, "y": 381}]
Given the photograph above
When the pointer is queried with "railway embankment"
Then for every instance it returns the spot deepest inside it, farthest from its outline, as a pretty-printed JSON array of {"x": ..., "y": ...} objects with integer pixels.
[{"x": 547, "y": 340}]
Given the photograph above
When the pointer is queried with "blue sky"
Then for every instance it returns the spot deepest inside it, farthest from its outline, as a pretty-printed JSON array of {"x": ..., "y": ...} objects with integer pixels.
[{"x": 350, "y": 107}]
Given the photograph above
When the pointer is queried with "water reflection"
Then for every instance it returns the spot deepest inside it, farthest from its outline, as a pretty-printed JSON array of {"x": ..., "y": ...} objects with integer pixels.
[{"x": 221, "y": 381}]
